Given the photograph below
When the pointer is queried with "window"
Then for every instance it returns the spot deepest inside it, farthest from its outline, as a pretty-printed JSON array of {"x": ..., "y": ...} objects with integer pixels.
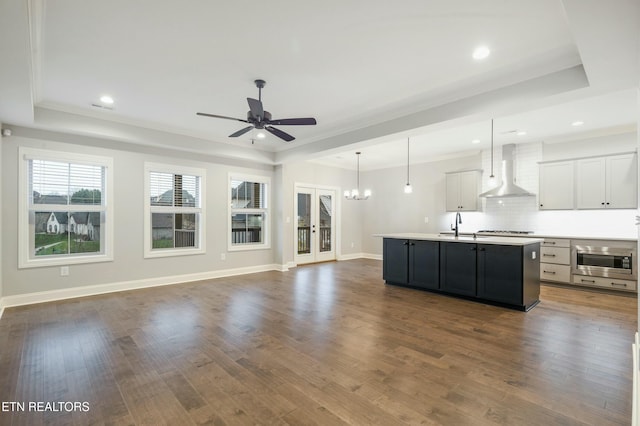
[
  {"x": 248, "y": 214},
  {"x": 174, "y": 219},
  {"x": 65, "y": 208}
]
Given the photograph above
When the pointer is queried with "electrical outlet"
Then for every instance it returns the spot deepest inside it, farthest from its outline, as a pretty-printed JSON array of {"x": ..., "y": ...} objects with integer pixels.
[
  {"x": 64, "y": 271},
  {"x": 223, "y": 256}
]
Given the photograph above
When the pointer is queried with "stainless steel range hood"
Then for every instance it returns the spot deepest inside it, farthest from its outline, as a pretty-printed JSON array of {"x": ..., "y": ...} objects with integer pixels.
[{"x": 508, "y": 187}]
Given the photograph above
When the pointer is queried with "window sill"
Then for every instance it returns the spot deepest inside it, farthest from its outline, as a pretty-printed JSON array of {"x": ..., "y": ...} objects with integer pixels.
[
  {"x": 64, "y": 261},
  {"x": 249, "y": 247},
  {"x": 172, "y": 253}
]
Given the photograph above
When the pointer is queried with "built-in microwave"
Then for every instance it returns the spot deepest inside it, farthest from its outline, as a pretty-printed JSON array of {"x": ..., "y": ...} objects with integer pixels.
[{"x": 611, "y": 262}]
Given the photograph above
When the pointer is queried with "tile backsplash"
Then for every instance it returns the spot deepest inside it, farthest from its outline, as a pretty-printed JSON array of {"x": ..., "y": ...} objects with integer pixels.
[{"x": 522, "y": 214}]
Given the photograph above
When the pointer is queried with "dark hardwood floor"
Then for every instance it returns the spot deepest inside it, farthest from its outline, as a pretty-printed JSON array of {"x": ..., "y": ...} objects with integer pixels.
[{"x": 322, "y": 344}]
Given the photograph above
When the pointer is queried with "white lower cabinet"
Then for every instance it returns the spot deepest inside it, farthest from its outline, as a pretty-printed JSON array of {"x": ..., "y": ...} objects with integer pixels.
[
  {"x": 555, "y": 260},
  {"x": 611, "y": 283},
  {"x": 554, "y": 272}
]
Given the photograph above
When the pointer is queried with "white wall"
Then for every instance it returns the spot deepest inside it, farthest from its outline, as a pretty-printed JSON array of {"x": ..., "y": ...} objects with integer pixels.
[
  {"x": 1, "y": 223},
  {"x": 391, "y": 210},
  {"x": 128, "y": 263}
]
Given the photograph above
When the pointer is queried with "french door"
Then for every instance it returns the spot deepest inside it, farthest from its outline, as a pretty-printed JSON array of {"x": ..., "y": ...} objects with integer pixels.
[{"x": 315, "y": 224}]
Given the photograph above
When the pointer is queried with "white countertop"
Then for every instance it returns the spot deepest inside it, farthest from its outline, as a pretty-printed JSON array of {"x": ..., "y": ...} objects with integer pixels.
[
  {"x": 481, "y": 239},
  {"x": 543, "y": 234},
  {"x": 583, "y": 237}
]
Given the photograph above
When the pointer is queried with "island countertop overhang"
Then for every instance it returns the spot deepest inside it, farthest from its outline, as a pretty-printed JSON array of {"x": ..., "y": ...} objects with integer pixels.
[{"x": 481, "y": 239}]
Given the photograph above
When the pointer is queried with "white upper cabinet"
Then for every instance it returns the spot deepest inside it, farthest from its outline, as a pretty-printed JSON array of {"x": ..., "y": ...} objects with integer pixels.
[
  {"x": 591, "y": 174},
  {"x": 462, "y": 189},
  {"x": 607, "y": 182},
  {"x": 557, "y": 186},
  {"x": 622, "y": 182}
]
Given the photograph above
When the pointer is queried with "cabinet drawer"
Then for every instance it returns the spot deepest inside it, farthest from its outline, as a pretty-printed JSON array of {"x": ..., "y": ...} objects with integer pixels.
[
  {"x": 611, "y": 283},
  {"x": 553, "y": 272},
  {"x": 559, "y": 255},
  {"x": 555, "y": 242}
]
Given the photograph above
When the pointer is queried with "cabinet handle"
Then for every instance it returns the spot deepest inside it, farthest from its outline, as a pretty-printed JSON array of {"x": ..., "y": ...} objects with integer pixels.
[
  {"x": 588, "y": 281},
  {"x": 412, "y": 244},
  {"x": 473, "y": 248},
  {"x": 549, "y": 242},
  {"x": 620, "y": 284},
  {"x": 549, "y": 255},
  {"x": 406, "y": 243},
  {"x": 602, "y": 204},
  {"x": 550, "y": 272},
  {"x": 482, "y": 249},
  {"x": 541, "y": 205},
  {"x": 608, "y": 203}
]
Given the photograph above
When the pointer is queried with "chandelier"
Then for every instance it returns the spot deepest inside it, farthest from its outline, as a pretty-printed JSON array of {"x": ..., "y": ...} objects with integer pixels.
[{"x": 354, "y": 194}]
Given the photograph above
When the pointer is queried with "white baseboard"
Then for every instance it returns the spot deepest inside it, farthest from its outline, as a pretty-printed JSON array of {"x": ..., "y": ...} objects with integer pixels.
[
  {"x": 353, "y": 256},
  {"x": 92, "y": 290}
]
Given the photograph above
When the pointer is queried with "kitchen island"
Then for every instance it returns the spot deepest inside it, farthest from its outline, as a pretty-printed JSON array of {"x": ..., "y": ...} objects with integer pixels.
[{"x": 503, "y": 271}]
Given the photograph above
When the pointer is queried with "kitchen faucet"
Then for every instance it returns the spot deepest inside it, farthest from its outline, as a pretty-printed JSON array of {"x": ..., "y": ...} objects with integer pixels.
[{"x": 457, "y": 221}]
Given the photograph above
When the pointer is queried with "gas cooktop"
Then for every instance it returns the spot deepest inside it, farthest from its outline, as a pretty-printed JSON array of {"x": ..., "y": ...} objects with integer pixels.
[{"x": 501, "y": 231}]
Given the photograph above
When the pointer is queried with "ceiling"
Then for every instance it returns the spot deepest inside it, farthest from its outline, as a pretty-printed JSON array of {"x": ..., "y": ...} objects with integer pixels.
[{"x": 370, "y": 76}]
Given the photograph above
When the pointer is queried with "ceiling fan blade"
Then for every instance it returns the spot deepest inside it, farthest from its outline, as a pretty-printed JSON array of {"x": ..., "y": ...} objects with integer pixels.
[
  {"x": 256, "y": 108},
  {"x": 279, "y": 133},
  {"x": 240, "y": 132},
  {"x": 294, "y": 121},
  {"x": 204, "y": 114}
]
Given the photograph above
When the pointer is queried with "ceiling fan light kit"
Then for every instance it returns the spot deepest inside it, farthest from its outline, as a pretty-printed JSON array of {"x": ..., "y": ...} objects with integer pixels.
[
  {"x": 354, "y": 194},
  {"x": 260, "y": 119}
]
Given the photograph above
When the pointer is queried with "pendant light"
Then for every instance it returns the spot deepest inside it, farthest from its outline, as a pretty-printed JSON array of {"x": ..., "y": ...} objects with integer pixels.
[
  {"x": 407, "y": 188},
  {"x": 354, "y": 194},
  {"x": 492, "y": 178}
]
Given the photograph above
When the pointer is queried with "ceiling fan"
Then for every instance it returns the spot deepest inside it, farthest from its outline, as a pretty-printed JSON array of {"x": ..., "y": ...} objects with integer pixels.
[{"x": 261, "y": 119}]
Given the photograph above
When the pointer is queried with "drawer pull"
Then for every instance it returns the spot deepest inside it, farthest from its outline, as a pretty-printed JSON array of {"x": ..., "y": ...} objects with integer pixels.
[
  {"x": 620, "y": 284},
  {"x": 549, "y": 272},
  {"x": 588, "y": 281},
  {"x": 549, "y": 242},
  {"x": 549, "y": 255}
]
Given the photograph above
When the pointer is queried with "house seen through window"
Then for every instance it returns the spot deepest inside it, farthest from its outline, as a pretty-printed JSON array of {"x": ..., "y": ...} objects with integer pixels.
[
  {"x": 66, "y": 212},
  {"x": 174, "y": 209},
  {"x": 248, "y": 213}
]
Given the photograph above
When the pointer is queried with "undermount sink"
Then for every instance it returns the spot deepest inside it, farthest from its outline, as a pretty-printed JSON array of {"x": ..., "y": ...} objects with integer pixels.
[{"x": 463, "y": 237}]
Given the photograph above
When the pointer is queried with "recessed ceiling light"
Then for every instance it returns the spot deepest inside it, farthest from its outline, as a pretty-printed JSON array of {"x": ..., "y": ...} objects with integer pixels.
[
  {"x": 106, "y": 99},
  {"x": 577, "y": 123},
  {"x": 261, "y": 135},
  {"x": 521, "y": 133},
  {"x": 481, "y": 52},
  {"x": 475, "y": 141}
]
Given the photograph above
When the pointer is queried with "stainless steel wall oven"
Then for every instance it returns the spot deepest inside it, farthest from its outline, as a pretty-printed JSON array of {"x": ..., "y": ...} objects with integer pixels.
[{"x": 611, "y": 262}]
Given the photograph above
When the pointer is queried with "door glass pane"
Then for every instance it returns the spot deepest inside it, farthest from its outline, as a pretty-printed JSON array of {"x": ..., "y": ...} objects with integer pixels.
[
  {"x": 325, "y": 222},
  {"x": 304, "y": 223}
]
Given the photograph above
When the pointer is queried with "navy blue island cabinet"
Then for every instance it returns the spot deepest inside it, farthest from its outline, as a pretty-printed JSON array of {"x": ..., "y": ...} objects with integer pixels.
[
  {"x": 500, "y": 271},
  {"x": 411, "y": 262}
]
